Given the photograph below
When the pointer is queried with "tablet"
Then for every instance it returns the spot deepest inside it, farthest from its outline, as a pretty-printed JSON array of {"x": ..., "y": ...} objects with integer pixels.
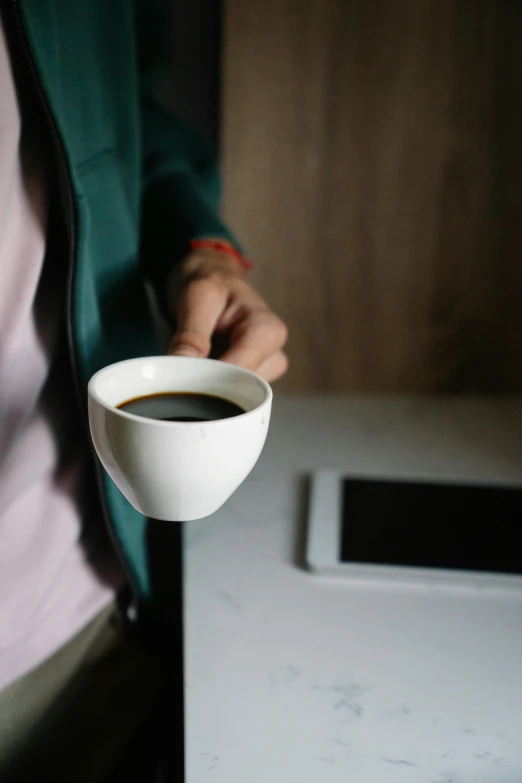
[{"x": 421, "y": 531}]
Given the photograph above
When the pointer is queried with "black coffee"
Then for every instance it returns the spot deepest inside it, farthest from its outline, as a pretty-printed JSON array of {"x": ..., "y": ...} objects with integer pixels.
[{"x": 182, "y": 406}]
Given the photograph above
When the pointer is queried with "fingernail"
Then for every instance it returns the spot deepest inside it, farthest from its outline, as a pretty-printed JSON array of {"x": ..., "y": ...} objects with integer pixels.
[{"x": 185, "y": 350}]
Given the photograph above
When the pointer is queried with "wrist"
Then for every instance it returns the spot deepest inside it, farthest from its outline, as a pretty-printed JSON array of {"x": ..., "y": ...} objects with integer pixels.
[
  {"x": 220, "y": 248},
  {"x": 201, "y": 263}
]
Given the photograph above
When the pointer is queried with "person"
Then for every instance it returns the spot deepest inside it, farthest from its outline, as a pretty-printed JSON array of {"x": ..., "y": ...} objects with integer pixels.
[{"x": 101, "y": 191}]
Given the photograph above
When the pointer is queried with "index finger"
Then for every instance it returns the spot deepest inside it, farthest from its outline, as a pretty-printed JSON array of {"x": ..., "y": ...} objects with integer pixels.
[{"x": 255, "y": 339}]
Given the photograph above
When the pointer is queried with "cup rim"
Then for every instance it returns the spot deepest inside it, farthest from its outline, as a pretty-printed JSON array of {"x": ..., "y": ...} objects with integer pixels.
[{"x": 92, "y": 393}]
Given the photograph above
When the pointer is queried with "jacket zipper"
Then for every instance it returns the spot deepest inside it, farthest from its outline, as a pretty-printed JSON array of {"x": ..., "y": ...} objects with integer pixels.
[
  {"x": 70, "y": 220},
  {"x": 70, "y": 216}
]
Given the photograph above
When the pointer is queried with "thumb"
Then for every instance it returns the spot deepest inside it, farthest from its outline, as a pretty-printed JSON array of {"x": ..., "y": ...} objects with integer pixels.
[{"x": 199, "y": 308}]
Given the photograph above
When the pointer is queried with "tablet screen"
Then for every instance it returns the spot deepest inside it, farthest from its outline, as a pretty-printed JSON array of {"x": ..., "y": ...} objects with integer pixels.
[{"x": 432, "y": 525}]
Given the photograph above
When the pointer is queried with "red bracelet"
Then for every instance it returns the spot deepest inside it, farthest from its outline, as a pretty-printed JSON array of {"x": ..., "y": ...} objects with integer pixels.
[{"x": 222, "y": 247}]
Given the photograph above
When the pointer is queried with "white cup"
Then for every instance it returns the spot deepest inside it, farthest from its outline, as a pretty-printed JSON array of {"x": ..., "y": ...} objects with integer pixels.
[{"x": 177, "y": 471}]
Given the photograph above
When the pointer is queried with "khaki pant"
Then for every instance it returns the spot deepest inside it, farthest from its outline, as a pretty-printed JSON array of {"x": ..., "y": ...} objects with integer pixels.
[{"x": 81, "y": 716}]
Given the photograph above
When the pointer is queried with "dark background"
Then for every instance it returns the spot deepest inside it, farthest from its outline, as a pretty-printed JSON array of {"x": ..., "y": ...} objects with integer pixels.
[{"x": 193, "y": 87}]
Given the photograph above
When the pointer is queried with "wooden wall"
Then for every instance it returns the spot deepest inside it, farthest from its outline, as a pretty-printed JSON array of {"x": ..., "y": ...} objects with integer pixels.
[{"x": 373, "y": 165}]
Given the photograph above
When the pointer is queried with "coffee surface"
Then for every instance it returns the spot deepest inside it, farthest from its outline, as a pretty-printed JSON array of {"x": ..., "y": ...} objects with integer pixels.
[{"x": 182, "y": 406}]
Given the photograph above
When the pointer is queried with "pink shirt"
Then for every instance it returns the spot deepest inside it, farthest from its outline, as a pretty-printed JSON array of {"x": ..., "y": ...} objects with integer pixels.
[{"x": 48, "y": 588}]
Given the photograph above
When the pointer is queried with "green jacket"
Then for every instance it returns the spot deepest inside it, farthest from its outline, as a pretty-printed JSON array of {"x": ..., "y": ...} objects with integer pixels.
[{"x": 136, "y": 183}]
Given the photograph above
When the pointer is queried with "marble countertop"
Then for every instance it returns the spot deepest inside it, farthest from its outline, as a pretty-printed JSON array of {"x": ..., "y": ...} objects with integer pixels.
[{"x": 294, "y": 678}]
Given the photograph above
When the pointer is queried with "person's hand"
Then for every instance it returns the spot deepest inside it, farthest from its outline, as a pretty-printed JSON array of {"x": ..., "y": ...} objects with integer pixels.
[{"x": 218, "y": 313}]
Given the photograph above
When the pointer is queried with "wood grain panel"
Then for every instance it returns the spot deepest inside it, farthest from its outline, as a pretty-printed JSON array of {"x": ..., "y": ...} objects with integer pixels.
[{"x": 373, "y": 167}]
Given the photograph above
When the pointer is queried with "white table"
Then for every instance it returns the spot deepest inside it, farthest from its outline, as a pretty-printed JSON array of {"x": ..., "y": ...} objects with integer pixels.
[{"x": 294, "y": 679}]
